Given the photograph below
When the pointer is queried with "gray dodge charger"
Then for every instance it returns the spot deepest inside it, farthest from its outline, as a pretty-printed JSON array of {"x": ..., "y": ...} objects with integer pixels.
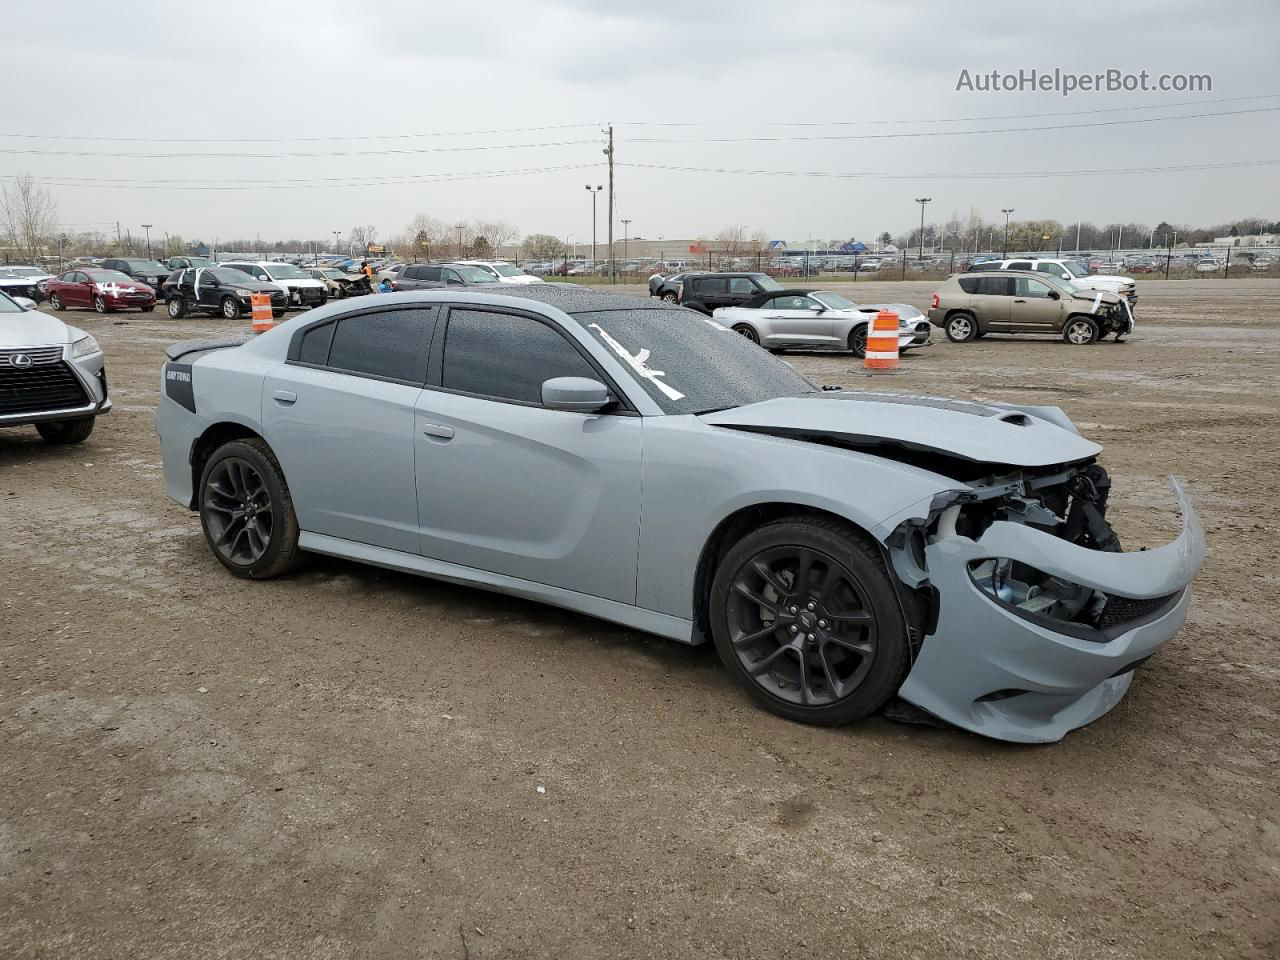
[{"x": 642, "y": 463}]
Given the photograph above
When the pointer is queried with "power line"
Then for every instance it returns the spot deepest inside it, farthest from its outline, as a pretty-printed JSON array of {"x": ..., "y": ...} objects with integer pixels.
[
  {"x": 369, "y": 136},
  {"x": 287, "y": 154},
  {"x": 993, "y": 175},
  {"x": 947, "y": 133},
  {"x": 299, "y": 184},
  {"x": 881, "y": 123}
]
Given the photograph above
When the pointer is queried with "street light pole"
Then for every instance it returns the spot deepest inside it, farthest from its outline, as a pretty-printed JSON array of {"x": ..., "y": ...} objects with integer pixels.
[
  {"x": 625, "y": 225},
  {"x": 594, "y": 191},
  {"x": 147, "y": 227},
  {"x": 337, "y": 244},
  {"x": 459, "y": 227},
  {"x": 922, "y": 201},
  {"x": 1006, "y": 211}
]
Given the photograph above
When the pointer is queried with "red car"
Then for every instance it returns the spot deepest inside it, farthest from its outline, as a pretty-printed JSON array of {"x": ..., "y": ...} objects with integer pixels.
[{"x": 101, "y": 290}]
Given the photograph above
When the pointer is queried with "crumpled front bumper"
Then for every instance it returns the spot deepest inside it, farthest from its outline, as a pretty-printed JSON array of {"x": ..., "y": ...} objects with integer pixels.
[{"x": 991, "y": 671}]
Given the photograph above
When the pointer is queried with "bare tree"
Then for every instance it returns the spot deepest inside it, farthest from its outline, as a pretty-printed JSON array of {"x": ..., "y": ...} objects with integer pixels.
[
  {"x": 361, "y": 237},
  {"x": 732, "y": 240},
  {"x": 28, "y": 215},
  {"x": 496, "y": 233}
]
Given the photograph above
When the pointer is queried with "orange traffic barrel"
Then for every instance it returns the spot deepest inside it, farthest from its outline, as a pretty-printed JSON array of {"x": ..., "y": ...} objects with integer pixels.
[
  {"x": 261, "y": 307},
  {"x": 882, "y": 342}
]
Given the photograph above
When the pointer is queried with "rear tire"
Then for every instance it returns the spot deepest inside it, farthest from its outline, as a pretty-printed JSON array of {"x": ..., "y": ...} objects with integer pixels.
[
  {"x": 246, "y": 511},
  {"x": 802, "y": 577},
  {"x": 60, "y": 432},
  {"x": 669, "y": 297},
  {"x": 1080, "y": 331},
  {"x": 743, "y": 330},
  {"x": 961, "y": 327}
]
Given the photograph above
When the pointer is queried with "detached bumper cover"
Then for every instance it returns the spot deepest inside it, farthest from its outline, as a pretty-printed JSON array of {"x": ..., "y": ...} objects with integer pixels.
[{"x": 991, "y": 671}]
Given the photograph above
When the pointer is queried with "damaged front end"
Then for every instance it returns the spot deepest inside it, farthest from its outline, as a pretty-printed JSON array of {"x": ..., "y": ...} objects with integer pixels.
[{"x": 1033, "y": 617}]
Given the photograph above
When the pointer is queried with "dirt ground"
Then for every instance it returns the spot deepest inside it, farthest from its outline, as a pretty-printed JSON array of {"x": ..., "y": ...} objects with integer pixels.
[{"x": 351, "y": 762}]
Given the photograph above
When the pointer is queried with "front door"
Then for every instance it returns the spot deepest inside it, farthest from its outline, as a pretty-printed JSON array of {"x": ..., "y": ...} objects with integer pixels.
[
  {"x": 798, "y": 320},
  {"x": 508, "y": 486},
  {"x": 339, "y": 415},
  {"x": 1034, "y": 308}
]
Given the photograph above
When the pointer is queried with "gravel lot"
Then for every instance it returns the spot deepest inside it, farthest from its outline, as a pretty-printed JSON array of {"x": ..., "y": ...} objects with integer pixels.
[{"x": 349, "y": 763}]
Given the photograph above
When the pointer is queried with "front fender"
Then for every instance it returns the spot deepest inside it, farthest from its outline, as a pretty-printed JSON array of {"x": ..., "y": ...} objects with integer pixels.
[{"x": 696, "y": 475}]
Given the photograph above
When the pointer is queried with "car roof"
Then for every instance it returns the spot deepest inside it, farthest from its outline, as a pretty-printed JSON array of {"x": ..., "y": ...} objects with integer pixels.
[{"x": 572, "y": 298}]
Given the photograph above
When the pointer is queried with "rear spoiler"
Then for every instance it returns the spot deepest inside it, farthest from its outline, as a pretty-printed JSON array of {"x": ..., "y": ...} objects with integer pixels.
[{"x": 183, "y": 347}]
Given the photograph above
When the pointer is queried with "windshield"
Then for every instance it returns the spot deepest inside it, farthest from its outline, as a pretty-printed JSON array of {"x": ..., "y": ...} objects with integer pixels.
[
  {"x": 474, "y": 274},
  {"x": 689, "y": 363},
  {"x": 767, "y": 282},
  {"x": 1056, "y": 281},
  {"x": 1075, "y": 269},
  {"x": 286, "y": 271},
  {"x": 833, "y": 301},
  {"x": 331, "y": 274},
  {"x": 146, "y": 266},
  {"x": 198, "y": 261},
  {"x": 21, "y": 272},
  {"x": 227, "y": 275},
  {"x": 507, "y": 270},
  {"x": 109, "y": 276}
]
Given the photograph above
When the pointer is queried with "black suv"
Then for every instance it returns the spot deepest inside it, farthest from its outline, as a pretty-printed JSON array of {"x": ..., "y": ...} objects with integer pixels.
[
  {"x": 144, "y": 271},
  {"x": 705, "y": 292},
  {"x": 424, "y": 276},
  {"x": 221, "y": 290}
]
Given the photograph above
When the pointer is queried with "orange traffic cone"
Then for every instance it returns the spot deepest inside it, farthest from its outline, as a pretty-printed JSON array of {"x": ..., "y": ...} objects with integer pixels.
[
  {"x": 261, "y": 312},
  {"x": 882, "y": 342}
]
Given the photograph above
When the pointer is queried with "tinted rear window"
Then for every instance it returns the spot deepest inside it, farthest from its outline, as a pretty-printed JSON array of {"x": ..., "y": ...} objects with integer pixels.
[
  {"x": 389, "y": 343},
  {"x": 691, "y": 363},
  {"x": 969, "y": 284},
  {"x": 995, "y": 286}
]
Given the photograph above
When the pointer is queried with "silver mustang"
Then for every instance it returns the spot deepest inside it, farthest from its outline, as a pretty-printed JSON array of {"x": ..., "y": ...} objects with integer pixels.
[
  {"x": 818, "y": 319},
  {"x": 641, "y": 463}
]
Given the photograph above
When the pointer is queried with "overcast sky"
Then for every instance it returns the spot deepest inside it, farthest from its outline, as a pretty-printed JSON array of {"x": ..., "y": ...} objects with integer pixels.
[{"x": 406, "y": 74}]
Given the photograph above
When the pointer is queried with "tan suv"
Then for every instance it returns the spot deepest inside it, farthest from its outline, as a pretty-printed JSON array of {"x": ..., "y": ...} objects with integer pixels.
[{"x": 971, "y": 305}]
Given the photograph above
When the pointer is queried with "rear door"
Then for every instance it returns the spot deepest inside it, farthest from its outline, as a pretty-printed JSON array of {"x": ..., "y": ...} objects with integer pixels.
[
  {"x": 339, "y": 415},
  {"x": 508, "y": 486},
  {"x": 741, "y": 289},
  {"x": 992, "y": 301}
]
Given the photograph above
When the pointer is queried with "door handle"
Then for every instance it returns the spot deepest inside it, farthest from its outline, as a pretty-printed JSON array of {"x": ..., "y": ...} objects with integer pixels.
[
  {"x": 438, "y": 431},
  {"x": 1019, "y": 300},
  {"x": 284, "y": 396}
]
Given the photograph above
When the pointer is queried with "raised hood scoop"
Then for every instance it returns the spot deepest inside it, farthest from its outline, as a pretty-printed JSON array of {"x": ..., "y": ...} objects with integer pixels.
[{"x": 893, "y": 424}]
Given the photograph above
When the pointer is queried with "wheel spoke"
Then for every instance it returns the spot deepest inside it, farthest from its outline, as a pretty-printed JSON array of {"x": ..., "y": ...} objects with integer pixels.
[
  {"x": 765, "y": 662},
  {"x": 754, "y": 597},
  {"x": 833, "y": 681},
  {"x": 770, "y": 577},
  {"x": 749, "y": 638},
  {"x": 849, "y": 616},
  {"x": 805, "y": 570},
  {"x": 806, "y": 695},
  {"x": 864, "y": 647}
]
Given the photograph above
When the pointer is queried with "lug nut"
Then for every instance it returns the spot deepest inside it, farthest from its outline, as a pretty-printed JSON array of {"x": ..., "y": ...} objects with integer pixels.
[
  {"x": 822, "y": 623},
  {"x": 794, "y": 628},
  {"x": 795, "y": 609},
  {"x": 812, "y": 604},
  {"x": 811, "y": 638}
]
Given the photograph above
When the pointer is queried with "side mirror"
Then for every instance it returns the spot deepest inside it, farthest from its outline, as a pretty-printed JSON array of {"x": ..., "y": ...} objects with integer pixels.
[
  {"x": 1054, "y": 295},
  {"x": 818, "y": 308},
  {"x": 578, "y": 394}
]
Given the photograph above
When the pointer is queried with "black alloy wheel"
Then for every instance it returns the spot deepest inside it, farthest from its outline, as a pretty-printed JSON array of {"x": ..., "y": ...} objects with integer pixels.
[
  {"x": 806, "y": 619},
  {"x": 858, "y": 341},
  {"x": 239, "y": 510}
]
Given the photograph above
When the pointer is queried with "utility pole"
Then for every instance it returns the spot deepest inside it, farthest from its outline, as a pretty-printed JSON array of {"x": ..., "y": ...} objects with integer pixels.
[
  {"x": 922, "y": 201},
  {"x": 593, "y": 191},
  {"x": 1006, "y": 211},
  {"x": 1077, "y": 236},
  {"x": 337, "y": 246},
  {"x": 118, "y": 247},
  {"x": 626, "y": 224},
  {"x": 613, "y": 276},
  {"x": 147, "y": 227},
  {"x": 459, "y": 227}
]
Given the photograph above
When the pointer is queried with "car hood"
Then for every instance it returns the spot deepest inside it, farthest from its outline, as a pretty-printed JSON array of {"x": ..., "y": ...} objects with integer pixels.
[
  {"x": 291, "y": 282},
  {"x": 1102, "y": 278},
  {"x": 31, "y": 329},
  {"x": 977, "y": 432},
  {"x": 1091, "y": 294}
]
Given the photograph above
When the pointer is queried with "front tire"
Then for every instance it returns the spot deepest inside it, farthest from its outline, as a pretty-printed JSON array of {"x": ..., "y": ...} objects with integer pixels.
[
  {"x": 99, "y": 305},
  {"x": 858, "y": 341},
  {"x": 61, "y": 432},
  {"x": 246, "y": 511},
  {"x": 55, "y": 301},
  {"x": 177, "y": 308},
  {"x": 1080, "y": 331},
  {"x": 669, "y": 297},
  {"x": 961, "y": 327},
  {"x": 806, "y": 620},
  {"x": 230, "y": 308}
]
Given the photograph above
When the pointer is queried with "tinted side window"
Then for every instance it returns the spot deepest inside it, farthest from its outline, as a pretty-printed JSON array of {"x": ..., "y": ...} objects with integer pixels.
[
  {"x": 710, "y": 285},
  {"x": 996, "y": 286},
  {"x": 429, "y": 273},
  {"x": 1020, "y": 265},
  {"x": 389, "y": 343},
  {"x": 969, "y": 284},
  {"x": 986, "y": 265},
  {"x": 506, "y": 357},
  {"x": 741, "y": 285},
  {"x": 315, "y": 344}
]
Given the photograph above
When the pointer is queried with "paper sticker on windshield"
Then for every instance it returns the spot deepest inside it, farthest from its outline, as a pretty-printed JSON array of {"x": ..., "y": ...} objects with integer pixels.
[{"x": 637, "y": 363}]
